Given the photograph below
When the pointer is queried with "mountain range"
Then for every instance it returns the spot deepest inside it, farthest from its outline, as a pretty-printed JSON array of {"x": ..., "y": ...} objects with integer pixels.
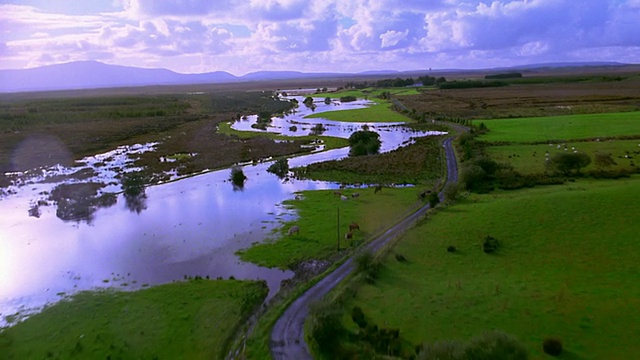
[{"x": 94, "y": 74}]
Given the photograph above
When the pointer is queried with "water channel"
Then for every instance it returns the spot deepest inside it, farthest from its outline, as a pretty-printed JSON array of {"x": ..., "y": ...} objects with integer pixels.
[{"x": 189, "y": 227}]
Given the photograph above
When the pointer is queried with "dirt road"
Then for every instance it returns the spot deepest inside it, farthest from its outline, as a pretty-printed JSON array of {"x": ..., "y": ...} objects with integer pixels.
[{"x": 287, "y": 337}]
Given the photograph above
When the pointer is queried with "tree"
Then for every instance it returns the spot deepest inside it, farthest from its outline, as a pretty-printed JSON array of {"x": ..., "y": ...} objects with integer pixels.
[
  {"x": 567, "y": 162},
  {"x": 327, "y": 100},
  {"x": 433, "y": 199},
  {"x": 603, "y": 160},
  {"x": 237, "y": 177},
  {"x": 133, "y": 184},
  {"x": 308, "y": 101},
  {"x": 364, "y": 142},
  {"x": 280, "y": 168}
]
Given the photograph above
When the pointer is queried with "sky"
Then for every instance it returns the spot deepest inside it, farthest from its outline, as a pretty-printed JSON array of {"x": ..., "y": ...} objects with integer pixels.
[{"x": 242, "y": 36}]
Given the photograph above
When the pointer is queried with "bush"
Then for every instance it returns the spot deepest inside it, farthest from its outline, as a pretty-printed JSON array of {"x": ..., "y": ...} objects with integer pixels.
[
  {"x": 364, "y": 142},
  {"x": 358, "y": 317},
  {"x": 495, "y": 345},
  {"x": 565, "y": 162},
  {"x": 490, "y": 244},
  {"x": 451, "y": 192},
  {"x": 280, "y": 168},
  {"x": 552, "y": 346},
  {"x": 368, "y": 266},
  {"x": 348, "y": 98},
  {"x": 433, "y": 200},
  {"x": 473, "y": 177},
  {"x": 237, "y": 177},
  {"x": 488, "y": 346},
  {"x": 133, "y": 184},
  {"x": 401, "y": 258},
  {"x": 451, "y": 249},
  {"x": 326, "y": 329}
]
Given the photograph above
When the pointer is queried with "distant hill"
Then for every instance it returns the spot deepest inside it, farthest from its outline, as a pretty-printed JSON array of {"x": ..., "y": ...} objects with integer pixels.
[{"x": 93, "y": 74}]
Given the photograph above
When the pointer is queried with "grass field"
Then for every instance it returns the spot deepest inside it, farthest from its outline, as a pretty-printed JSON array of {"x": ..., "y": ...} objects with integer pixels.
[
  {"x": 380, "y": 112},
  {"x": 567, "y": 268},
  {"x": 185, "y": 320},
  {"x": 562, "y": 128},
  {"x": 530, "y": 159},
  {"x": 318, "y": 217}
]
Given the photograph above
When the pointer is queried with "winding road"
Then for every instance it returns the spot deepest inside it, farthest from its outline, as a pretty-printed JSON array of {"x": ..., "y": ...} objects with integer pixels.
[{"x": 287, "y": 336}]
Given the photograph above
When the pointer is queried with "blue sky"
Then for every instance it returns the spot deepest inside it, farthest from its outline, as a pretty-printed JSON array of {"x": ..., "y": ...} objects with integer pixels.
[{"x": 240, "y": 36}]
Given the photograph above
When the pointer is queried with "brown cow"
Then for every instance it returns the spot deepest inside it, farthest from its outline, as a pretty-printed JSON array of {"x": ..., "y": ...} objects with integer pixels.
[
  {"x": 377, "y": 189},
  {"x": 348, "y": 235},
  {"x": 354, "y": 226}
]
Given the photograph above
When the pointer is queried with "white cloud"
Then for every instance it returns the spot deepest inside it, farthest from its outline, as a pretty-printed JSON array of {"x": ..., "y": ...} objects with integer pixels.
[
  {"x": 392, "y": 38},
  {"x": 324, "y": 35}
]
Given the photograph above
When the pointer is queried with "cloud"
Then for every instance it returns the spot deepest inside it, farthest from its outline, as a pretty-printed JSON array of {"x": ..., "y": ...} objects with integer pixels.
[
  {"x": 392, "y": 38},
  {"x": 323, "y": 35}
]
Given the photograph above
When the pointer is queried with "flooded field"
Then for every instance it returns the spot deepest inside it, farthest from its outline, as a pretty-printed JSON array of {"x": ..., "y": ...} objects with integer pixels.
[{"x": 185, "y": 228}]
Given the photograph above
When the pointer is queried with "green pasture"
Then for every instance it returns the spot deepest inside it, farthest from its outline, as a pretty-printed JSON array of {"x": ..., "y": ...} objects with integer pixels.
[
  {"x": 567, "y": 267},
  {"x": 318, "y": 222},
  {"x": 562, "y": 128},
  {"x": 330, "y": 142},
  {"x": 183, "y": 320},
  {"x": 380, "y": 112},
  {"x": 530, "y": 159}
]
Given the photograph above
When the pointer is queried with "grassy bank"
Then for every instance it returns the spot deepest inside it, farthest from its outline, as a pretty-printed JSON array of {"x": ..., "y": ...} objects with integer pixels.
[
  {"x": 185, "y": 320},
  {"x": 318, "y": 223},
  {"x": 566, "y": 268}
]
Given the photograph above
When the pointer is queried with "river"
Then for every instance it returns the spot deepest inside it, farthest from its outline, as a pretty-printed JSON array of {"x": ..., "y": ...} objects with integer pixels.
[{"x": 185, "y": 228}]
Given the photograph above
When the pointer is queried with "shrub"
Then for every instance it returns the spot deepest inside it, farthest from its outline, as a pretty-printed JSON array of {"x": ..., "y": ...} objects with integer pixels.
[
  {"x": 348, "y": 98},
  {"x": 488, "y": 346},
  {"x": 451, "y": 249},
  {"x": 326, "y": 329},
  {"x": 401, "y": 258},
  {"x": 565, "y": 162},
  {"x": 433, "y": 199},
  {"x": 490, "y": 244},
  {"x": 358, "y": 317},
  {"x": 552, "y": 346},
  {"x": 237, "y": 177},
  {"x": 364, "y": 142},
  {"x": 280, "y": 168},
  {"x": 452, "y": 192},
  {"x": 368, "y": 266},
  {"x": 133, "y": 184},
  {"x": 495, "y": 345}
]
